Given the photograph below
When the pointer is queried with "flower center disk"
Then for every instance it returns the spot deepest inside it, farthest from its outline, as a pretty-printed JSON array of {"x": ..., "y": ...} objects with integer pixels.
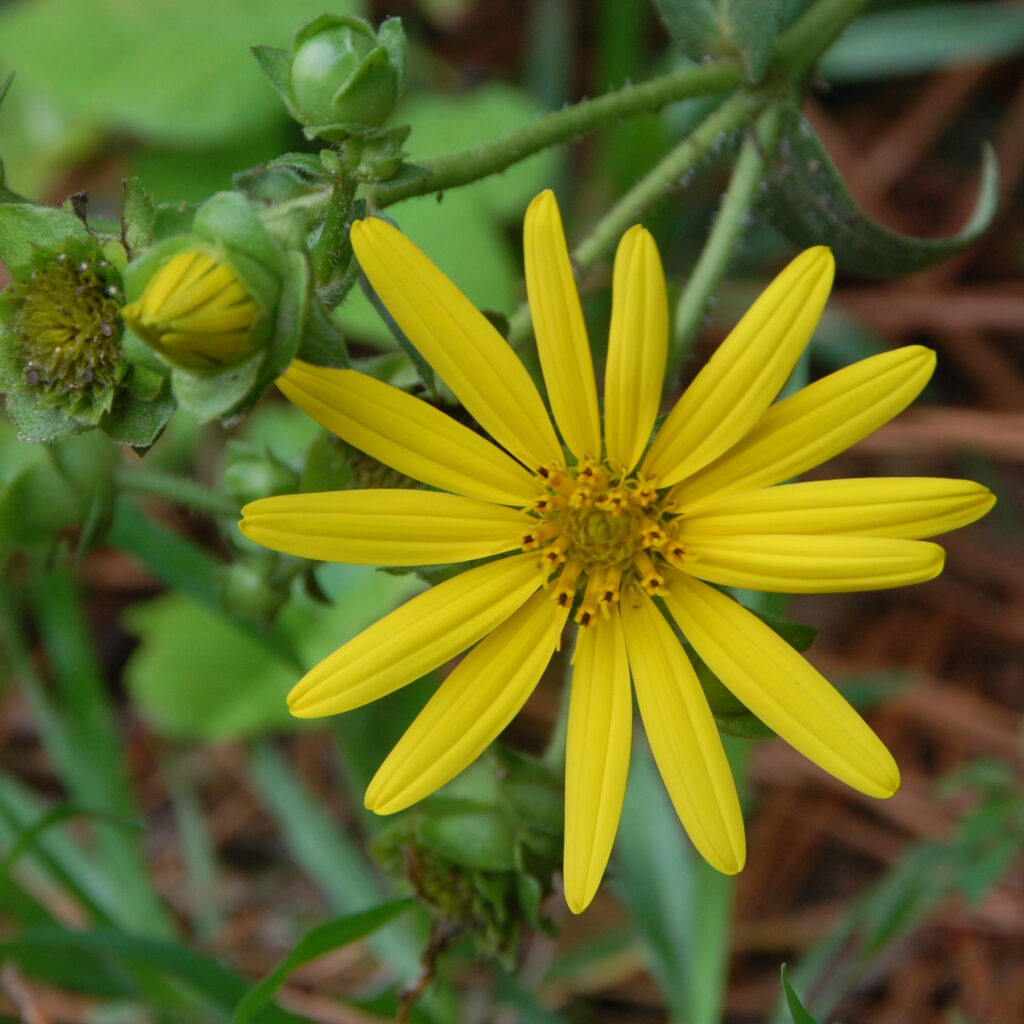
[{"x": 600, "y": 531}]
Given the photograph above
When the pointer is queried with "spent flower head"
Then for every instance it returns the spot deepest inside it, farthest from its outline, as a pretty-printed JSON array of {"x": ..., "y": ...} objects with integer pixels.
[
  {"x": 630, "y": 537},
  {"x": 62, "y": 362}
]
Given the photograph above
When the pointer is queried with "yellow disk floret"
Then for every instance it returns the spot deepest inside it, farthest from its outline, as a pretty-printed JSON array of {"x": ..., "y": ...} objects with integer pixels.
[{"x": 601, "y": 531}]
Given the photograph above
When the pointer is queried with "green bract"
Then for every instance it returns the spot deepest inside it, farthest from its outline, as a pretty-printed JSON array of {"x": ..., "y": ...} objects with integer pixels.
[{"x": 340, "y": 78}]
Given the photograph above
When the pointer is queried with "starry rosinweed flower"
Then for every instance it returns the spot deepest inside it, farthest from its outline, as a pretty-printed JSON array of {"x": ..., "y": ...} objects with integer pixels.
[
  {"x": 195, "y": 311},
  {"x": 623, "y": 533}
]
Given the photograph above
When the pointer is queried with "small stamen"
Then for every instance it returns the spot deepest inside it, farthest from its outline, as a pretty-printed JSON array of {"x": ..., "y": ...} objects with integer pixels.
[
  {"x": 565, "y": 585},
  {"x": 591, "y": 599},
  {"x": 650, "y": 579},
  {"x": 536, "y": 535}
]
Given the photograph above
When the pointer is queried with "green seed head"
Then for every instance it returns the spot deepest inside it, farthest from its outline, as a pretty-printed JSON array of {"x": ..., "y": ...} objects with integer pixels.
[{"x": 67, "y": 327}]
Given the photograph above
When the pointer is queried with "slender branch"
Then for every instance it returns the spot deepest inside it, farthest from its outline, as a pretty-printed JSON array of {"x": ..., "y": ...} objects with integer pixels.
[
  {"x": 718, "y": 251},
  {"x": 797, "y": 50},
  {"x": 735, "y": 111},
  {"x": 179, "y": 490},
  {"x": 471, "y": 164}
]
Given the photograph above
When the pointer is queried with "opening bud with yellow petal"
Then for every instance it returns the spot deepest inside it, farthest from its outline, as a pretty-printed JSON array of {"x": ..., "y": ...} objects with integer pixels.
[
  {"x": 196, "y": 311},
  {"x": 223, "y": 307},
  {"x": 62, "y": 364},
  {"x": 340, "y": 78}
]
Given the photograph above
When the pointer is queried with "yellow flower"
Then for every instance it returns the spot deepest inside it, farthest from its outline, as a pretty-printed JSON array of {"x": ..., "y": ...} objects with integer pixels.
[
  {"x": 603, "y": 527},
  {"x": 195, "y": 311}
]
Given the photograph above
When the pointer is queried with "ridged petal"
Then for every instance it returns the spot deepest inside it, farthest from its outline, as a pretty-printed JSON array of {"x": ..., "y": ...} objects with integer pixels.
[
  {"x": 907, "y": 507},
  {"x": 683, "y": 735},
  {"x": 746, "y": 372},
  {"x": 637, "y": 347},
  {"x": 471, "y": 707},
  {"x": 416, "y": 637},
  {"x": 384, "y": 527},
  {"x": 458, "y": 341},
  {"x": 558, "y": 325},
  {"x": 596, "y": 756},
  {"x": 406, "y": 434},
  {"x": 781, "y": 687},
  {"x": 819, "y": 421},
  {"x": 811, "y": 564}
]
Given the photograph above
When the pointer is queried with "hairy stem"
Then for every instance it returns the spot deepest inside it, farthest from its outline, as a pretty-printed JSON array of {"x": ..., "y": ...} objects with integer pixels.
[
  {"x": 721, "y": 244},
  {"x": 477, "y": 162}
]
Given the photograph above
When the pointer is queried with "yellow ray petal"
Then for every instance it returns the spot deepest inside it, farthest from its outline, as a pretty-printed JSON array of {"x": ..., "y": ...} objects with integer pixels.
[
  {"x": 780, "y": 687},
  {"x": 416, "y": 637},
  {"x": 746, "y": 372},
  {"x": 819, "y": 421},
  {"x": 596, "y": 756},
  {"x": 470, "y": 707},
  {"x": 558, "y": 324},
  {"x": 683, "y": 735},
  {"x": 406, "y": 434},
  {"x": 811, "y": 564},
  {"x": 458, "y": 341},
  {"x": 637, "y": 345},
  {"x": 384, "y": 527},
  {"x": 907, "y": 507}
]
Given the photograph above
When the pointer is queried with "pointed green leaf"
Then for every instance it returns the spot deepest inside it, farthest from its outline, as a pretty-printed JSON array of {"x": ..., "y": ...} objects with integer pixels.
[
  {"x": 807, "y": 200},
  {"x": 725, "y": 28},
  {"x": 323, "y": 939},
  {"x": 796, "y": 1009}
]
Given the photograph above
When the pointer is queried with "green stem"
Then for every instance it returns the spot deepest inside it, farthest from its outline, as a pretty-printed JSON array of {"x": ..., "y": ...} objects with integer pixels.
[
  {"x": 477, "y": 162},
  {"x": 179, "y": 490},
  {"x": 797, "y": 50},
  {"x": 735, "y": 111},
  {"x": 333, "y": 247},
  {"x": 721, "y": 244}
]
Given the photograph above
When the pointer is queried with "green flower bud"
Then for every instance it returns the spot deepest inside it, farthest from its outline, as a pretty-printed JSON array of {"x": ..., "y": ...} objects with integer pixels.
[
  {"x": 247, "y": 590},
  {"x": 195, "y": 311},
  {"x": 251, "y": 474},
  {"x": 340, "y": 78}
]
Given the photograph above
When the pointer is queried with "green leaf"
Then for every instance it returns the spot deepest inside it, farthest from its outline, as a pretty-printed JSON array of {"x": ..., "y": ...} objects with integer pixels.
[
  {"x": 228, "y": 681},
  {"x": 323, "y": 939},
  {"x": 169, "y": 70},
  {"x": 807, "y": 200},
  {"x": 171, "y": 960},
  {"x": 725, "y": 28},
  {"x": 895, "y": 43},
  {"x": 27, "y": 229},
  {"x": 220, "y": 683},
  {"x": 800, "y": 1015}
]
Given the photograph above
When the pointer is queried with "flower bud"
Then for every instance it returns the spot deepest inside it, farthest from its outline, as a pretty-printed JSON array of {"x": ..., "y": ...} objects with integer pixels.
[
  {"x": 252, "y": 474},
  {"x": 195, "y": 311},
  {"x": 340, "y": 78}
]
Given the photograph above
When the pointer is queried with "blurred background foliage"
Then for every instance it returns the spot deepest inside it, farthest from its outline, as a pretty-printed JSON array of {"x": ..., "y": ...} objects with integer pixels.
[{"x": 169, "y": 835}]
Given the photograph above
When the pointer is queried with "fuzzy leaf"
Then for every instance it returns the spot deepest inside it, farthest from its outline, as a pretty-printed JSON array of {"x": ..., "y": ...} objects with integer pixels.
[
  {"x": 725, "y": 28},
  {"x": 807, "y": 200}
]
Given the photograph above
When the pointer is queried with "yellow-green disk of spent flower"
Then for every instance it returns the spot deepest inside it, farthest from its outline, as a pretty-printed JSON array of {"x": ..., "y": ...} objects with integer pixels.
[
  {"x": 195, "y": 311},
  {"x": 66, "y": 326}
]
